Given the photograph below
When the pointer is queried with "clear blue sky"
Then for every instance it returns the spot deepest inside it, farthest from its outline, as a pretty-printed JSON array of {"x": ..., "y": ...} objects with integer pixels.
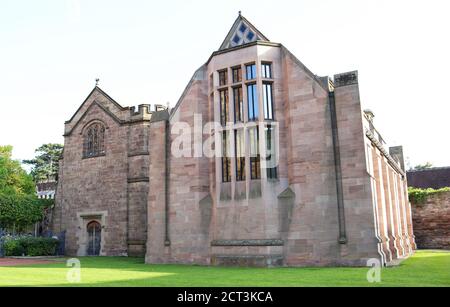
[{"x": 51, "y": 51}]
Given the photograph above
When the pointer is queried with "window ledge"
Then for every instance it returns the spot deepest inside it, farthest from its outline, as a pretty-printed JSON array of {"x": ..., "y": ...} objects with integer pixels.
[
  {"x": 94, "y": 156},
  {"x": 273, "y": 180},
  {"x": 268, "y": 80}
]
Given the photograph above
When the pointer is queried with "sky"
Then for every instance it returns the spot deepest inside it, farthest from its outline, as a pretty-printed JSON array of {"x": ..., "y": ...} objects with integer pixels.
[{"x": 51, "y": 52}]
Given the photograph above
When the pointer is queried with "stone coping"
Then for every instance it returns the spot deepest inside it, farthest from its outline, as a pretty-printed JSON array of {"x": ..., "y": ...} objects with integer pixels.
[{"x": 249, "y": 242}]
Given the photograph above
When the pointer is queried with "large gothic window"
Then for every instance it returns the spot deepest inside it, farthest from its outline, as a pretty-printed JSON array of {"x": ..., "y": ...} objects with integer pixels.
[{"x": 94, "y": 141}]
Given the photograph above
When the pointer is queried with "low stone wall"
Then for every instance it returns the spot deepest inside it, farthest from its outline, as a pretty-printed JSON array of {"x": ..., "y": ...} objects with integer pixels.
[{"x": 431, "y": 221}]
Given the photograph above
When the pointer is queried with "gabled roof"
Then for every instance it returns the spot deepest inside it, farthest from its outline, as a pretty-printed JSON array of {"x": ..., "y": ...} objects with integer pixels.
[
  {"x": 98, "y": 89},
  {"x": 94, "y": 103},
  {"x": 97, "y": 97},
  {"x": 242, "y": 32}
]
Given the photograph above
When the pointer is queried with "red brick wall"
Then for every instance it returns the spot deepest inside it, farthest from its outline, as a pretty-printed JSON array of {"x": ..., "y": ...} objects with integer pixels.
[{"x": 431, "y": 222}]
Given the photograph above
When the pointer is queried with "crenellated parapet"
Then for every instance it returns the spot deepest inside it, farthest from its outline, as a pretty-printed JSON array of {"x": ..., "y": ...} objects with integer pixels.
[
  {"x": 99, "y": 102},
  {"x": 347, "y": 78},
  {"x": 144, "y": 112}
]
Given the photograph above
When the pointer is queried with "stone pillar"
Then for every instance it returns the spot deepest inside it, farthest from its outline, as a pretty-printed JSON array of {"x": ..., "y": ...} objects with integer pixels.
[
  {"x": 403, "y": 205},
  {"x": 358, "y": 201},
  {"x": 381, "y": 206},
  {"x": 157, "y": 252},
  {"x": 389, "y": 210},
  {"x": 409, "y": 218},
  {"x": 138, "y": 185},
  {"x": 396, "y": 211}
]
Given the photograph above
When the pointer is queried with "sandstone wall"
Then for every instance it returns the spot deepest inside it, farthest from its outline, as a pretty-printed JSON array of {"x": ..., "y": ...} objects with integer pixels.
[
  {"x": 111, "y": 189},
  {"x": 313, "y": 232},
  {"x": 94, "y": 188},
  {"x": 431, "y": 222},
  {"x": 187, "y": 219},
  {"x": 292, "y": 220},
  {"x": 358, "y": 201}
]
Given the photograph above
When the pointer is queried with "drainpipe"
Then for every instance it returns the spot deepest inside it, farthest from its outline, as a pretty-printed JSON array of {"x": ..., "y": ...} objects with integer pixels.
[
  {"x": 338, "y": 170},
  {"x": 166, "y": 185}
]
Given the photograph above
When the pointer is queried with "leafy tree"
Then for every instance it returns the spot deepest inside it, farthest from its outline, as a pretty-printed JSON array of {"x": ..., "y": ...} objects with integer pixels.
[
  {"x": 422, "y": 167},
  {"x": 18, "y": 211},
  {"x": 46, "y": 163},
  {"x": 12, "y": 177},
  {"x": 19, "y": 205}
]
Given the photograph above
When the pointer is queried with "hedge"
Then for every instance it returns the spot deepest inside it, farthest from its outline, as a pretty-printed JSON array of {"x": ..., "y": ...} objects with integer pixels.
[
  {"x": 419, "y": 196},
  {"x": 30, "y": 246}
]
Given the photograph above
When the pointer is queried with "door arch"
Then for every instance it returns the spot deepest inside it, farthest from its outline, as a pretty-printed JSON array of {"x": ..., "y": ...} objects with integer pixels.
[{"x": 94, "y": 231}]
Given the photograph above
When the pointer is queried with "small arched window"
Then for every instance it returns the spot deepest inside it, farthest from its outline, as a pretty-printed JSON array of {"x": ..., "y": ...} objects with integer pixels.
[{"x": 94, "y": 141}]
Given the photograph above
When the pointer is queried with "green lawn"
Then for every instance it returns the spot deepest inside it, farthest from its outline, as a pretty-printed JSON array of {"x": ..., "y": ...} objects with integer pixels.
[{"x": 425, "y": 268}]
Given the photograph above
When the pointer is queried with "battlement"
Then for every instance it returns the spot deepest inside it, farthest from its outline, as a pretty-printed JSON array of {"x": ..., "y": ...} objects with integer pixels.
[
  {"x": 344, "y": 79},
  {"x": 144, "y": 111}
]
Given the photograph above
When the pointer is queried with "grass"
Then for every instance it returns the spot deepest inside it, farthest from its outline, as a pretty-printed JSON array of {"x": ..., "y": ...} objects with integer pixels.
[{"x": 425, "y": 268}]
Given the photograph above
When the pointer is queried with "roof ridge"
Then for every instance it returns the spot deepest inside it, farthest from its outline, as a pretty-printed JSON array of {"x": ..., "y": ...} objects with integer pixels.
[{"x": 245, "y": 34}]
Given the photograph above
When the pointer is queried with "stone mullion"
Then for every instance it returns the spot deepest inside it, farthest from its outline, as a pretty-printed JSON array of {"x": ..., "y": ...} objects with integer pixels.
[{"x": 380, "y": 204}]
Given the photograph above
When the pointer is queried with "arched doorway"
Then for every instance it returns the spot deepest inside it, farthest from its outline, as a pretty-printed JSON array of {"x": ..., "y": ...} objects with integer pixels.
[{"x": 94, "y": 238}]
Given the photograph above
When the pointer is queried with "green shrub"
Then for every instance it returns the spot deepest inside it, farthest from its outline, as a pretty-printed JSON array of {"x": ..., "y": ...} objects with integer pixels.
[
  {"x": 419, "y": 196},
  {"x": 30, "y": 246},
  {"x": 40, "y": 246},
  {"x": 13, "y": 247}
]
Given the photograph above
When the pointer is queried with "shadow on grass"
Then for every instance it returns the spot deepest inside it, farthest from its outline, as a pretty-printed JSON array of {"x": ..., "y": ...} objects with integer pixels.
[{"x": 424, "y": 269}]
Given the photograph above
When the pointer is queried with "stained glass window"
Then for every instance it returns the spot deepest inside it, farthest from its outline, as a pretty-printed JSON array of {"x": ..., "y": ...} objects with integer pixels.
[
  {"x": 268, "y": 101},
  {"x": 240, "y": 154},
  {"x": 242, "y": 28},
  {"x": 94, "y": 141},
  {"x": 224, "y": 107},
  {"x": 237, "y": 74},
  {"x": 255, "y": 160},
  {"x": 223, "y": 77},
  {"x": 250, "y": 71},
  {"x": 226, "y": 160},
  {"x": 252, "y": 101},
  {"x": 238, "y": 105},
  {"x": 250, "y": 35},
  {"x": 266, "y": 70},
  {"x": 272, "y": 171}
]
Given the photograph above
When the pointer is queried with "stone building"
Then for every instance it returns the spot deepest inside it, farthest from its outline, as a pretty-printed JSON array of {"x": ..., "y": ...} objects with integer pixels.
[{"x": 300, "y": 175}]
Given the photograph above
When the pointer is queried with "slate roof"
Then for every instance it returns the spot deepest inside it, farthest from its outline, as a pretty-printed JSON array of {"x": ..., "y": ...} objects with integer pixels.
[{"x": 436, "y": 178}]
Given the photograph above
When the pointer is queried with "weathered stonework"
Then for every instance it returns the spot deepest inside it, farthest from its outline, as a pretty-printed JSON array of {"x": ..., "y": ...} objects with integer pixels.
[
  {"x": 338, "y": 198},
  {"x": 431, "y": 221},
  {"x": 111, "y": 188}
]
